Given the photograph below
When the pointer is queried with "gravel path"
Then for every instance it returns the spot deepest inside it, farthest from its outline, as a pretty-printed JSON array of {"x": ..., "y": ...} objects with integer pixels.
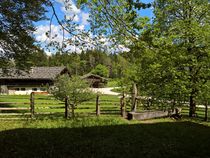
[{"x": 105, "y": 91}]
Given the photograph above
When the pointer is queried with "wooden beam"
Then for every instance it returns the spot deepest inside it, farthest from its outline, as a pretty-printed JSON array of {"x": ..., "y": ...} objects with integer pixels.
[
  {"x": 2, "y": 103},
  {"x": 14, "y": 109},
  {"x": 97, "y": 106}
]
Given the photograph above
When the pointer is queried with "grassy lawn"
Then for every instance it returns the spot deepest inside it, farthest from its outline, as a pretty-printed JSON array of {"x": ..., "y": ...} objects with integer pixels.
[
  {"x": 106, "y": 136},
  {"x": 112, "y": 83}
]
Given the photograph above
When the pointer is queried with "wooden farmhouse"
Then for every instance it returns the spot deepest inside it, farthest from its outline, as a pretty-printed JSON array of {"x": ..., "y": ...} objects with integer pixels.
[
  {"x": 14, "y": 81},
  {"x": 95, "y": 81}
]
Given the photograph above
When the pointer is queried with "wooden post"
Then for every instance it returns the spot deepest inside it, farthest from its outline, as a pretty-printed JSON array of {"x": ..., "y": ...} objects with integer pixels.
[
  {"x": 206, "y": 111},
  {"x": 134, "y": 95},
  {"x": 97, "y": 106},
  {"x": 173, "y": 105},
  {"x": 72, "y": 110},
  {"x": 32, "y": 104},
  {"x": 66, "y": 107},
  {"x": 122, "y": 105}
]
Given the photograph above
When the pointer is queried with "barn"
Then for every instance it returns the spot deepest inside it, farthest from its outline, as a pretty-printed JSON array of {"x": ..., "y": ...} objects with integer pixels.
[
  {"x": 13, "y": 81},
  {"x": 95, "y": 81}
]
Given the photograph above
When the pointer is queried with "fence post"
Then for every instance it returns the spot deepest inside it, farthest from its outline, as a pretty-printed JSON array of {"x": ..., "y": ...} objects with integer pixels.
[
  {"x": 173, "y": 104},
  {"x": 122, "y": 105},
  {"x": 134, "y": 95},
  {"x": 72, "y": 110},
  {"x": 66, "y": 107},
  {"x": 97, "y": 106},
  {"x": 32, "y": 104},
  {"x": 206, "y": 111}
]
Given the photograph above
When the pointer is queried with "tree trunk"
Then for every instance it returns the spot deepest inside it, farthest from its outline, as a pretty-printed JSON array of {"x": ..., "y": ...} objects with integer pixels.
[
  {"x": 193, "y": 91},
  {"x": 66, "y": 108},
  {"x": 72, "y": 110},
  {"x": 192, "y": 106}
]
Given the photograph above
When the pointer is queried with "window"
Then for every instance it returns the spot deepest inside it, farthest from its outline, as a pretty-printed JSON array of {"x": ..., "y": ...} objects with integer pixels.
[
  {"x": 17, "y": 89},
  {"x": 34, "y": 89},
  {"x": 22, "y": 89},
  {"x": 42, "y": 89}
]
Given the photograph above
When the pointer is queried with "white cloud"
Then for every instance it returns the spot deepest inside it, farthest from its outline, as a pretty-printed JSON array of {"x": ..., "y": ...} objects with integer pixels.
[
  {"x": 69, "y": 7},
  {"x": 80, "y": 17},
  {"x": 80, "y": 27},
  {"x": 88, "y": 42},
  {"x": 60, "y": 1},
  {"x": 74, "y": 9},
  {"x": 122, "y": 48},
  {"x": 72, "y": 12},
  {"x": 56, "y": 33},
  {"x": 55, "y": 36},
  {"x": 85, "y": 17},
  {"x": 48, "y": 53},
  {"x": 76, "y": 18}
]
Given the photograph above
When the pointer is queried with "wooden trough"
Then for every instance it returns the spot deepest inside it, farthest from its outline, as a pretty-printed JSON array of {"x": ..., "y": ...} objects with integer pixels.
[{"x": 149, "y": 115}]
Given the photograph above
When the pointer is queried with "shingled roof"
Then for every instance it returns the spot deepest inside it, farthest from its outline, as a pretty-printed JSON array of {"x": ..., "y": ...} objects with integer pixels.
[
  {"x": 48, "y": 73},
  {"x": 92, "y": 75}
]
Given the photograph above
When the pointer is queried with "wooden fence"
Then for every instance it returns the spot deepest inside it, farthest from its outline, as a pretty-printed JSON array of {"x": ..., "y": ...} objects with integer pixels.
[
  {"x": 164, "y": 105},
  {"x": 15, "y": 109},
  {"x": 40, "y": 105},
  {"x": 25, "y": 107},
  {"x": 151, "y": 104}
]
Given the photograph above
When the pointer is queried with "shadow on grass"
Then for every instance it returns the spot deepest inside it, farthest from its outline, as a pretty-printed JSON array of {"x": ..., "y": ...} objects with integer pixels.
[{"x": 160, "y": 140}]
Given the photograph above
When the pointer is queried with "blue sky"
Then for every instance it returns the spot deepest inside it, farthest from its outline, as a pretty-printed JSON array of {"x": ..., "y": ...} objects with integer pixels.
[
  {"x": 81, "y": 17},
  {"x": 147, "y": 12},
  {"x": 58, "y": 6}
]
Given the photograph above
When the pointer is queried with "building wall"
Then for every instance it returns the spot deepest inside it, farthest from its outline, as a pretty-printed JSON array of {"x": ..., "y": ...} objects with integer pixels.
[
  {"x": 25, "y": 90},
  {"x": 24, "y": 87}
]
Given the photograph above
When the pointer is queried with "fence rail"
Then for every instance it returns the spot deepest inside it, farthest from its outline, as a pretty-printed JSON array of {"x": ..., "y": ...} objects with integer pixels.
[
  {"x": 3, "y": 103},
  {"x": 100, "y": 105},
  {"x": 41, "y": 105},
  {"x": 19, "y": 108},
  {"x": 148, "y": 103}
]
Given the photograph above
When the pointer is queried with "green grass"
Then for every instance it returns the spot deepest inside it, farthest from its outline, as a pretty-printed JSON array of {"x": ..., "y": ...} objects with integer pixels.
[
  {"x": 109, "y": 105},
  {"x": 45, "y": 104},
  {"x": 104, "y": 137},
  {"x": 112, "y": 83}
]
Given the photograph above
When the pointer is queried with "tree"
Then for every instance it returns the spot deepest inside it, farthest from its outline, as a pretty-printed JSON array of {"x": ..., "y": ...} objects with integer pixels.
[
  {"x": 182, "y": 37},
  {"x": 119, "y": 20},
  {"x": 39, "y": 58},
  {"x": 17, "y": 19},
  {"x": 172, "y": 54},
  {"x": 101, "y": 70},
  {"x": 73, "y": 88}
]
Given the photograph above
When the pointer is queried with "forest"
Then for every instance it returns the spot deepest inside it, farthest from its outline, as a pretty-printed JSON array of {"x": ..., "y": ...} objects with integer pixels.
[{"x": 110, "y": 65}]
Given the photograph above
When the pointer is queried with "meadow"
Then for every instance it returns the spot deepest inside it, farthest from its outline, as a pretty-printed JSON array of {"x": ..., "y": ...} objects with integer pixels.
[
  {"x": 105, "y": 136},
  {"x": 108, "y": 135}
]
